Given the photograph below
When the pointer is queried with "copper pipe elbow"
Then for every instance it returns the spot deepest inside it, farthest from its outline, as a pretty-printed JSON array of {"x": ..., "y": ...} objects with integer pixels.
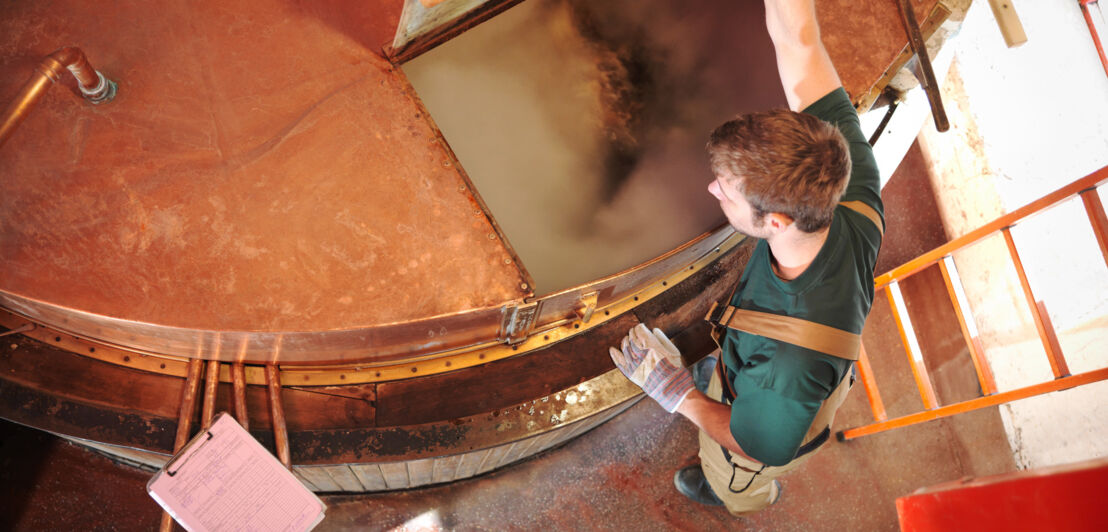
[{"x": 96, "y": 88}]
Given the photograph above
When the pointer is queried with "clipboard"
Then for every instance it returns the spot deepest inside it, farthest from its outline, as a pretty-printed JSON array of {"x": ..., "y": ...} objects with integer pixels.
[{"x": 225, "y": 480}]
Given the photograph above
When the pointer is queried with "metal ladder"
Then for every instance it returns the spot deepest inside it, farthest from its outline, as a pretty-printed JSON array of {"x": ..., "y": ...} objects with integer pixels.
[{"x": 1086, "y": 188}]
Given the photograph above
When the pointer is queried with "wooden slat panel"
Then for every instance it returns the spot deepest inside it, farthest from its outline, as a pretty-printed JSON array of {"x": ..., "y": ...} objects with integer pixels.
[
  {"x": 345, "y": 478},
  {"x": 303, "y": 480},
  {"x": 446, "y": 469},
  {"x": 370, "y": 476},
  {"x": 543, "y": 442},
  {"x": 396, "y": 475},
  {"x": 318, "y": 476},
  {"x": 467, "y": 466},
  {"x": 420, "y": 472},
  {"x": 512, "y": 452},
  {"x": 492, "y": 459}
]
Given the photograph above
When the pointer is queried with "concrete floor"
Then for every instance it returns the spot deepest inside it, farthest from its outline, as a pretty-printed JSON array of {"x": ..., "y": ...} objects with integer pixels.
[{"x": 619, "y": 476}]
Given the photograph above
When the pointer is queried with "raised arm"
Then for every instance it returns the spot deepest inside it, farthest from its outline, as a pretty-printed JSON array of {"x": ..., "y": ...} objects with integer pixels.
[{"x": 802, "y": 62}]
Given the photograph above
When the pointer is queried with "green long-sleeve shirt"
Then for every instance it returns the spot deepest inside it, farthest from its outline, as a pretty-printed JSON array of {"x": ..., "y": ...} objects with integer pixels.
[{"x": 779, "y": 387}]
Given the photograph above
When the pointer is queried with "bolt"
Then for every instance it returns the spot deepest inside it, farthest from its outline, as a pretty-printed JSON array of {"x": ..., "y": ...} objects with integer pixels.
[
  {"x": 492, "y": 236},
  {"x": 523, "y": 286}
]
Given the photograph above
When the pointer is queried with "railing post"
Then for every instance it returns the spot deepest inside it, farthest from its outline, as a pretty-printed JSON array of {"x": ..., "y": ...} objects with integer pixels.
[
  {"x": 911, "y": 345},
  {"x": 1038, "y": 313},
  {"x": 969, "y": 326}
]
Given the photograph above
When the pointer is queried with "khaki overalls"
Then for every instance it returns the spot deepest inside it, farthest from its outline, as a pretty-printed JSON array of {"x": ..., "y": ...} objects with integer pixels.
[{"x": 743, "y": 485}]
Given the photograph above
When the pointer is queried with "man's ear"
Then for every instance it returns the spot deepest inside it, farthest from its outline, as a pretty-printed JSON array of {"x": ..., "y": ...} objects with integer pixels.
[{"x": 778, "y": 222}]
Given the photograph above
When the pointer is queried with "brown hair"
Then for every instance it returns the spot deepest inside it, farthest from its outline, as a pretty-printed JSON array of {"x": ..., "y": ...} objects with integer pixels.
[{"x": 787, "y": 162}]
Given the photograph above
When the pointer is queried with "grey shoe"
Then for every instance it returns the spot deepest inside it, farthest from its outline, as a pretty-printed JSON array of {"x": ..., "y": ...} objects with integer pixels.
[{"x": 691, "y": 483}]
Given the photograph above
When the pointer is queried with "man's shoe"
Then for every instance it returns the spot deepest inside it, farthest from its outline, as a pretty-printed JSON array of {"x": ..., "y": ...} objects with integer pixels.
[{"x": 691, "y": 483}]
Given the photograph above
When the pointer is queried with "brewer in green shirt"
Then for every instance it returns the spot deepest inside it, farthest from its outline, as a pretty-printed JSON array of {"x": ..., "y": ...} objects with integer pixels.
[
  {"x": 804, "y": 181},
  {"x": 780, "y": 386}
]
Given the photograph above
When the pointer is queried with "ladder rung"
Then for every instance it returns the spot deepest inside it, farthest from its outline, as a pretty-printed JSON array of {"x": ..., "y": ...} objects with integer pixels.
[
  {"x": 911, "y": 345},
  {"x": 865, "y": 372},
  {"x": 1095, "y": 209},
  {"x": 969, "y": 326},
  {"x": 1038, "y": 313}
]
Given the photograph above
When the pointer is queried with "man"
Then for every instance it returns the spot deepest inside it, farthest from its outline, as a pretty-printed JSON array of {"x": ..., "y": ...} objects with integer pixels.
[{"x": 805, "y": 182}]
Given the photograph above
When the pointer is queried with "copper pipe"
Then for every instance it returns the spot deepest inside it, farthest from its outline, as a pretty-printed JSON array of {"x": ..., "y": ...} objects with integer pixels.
[
  {"x": 211, "y": 383},
  {"x": 238, "y": 380},
  {"x": 94, "y": 86},
  {"x": 277, "y": 413},
  {"x": 184, "y": 420}
]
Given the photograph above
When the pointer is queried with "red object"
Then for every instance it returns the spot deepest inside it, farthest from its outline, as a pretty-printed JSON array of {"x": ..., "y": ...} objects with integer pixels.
[
  {"x": 1069, "y": 497},
  {"x": 1093, "y": 32}
]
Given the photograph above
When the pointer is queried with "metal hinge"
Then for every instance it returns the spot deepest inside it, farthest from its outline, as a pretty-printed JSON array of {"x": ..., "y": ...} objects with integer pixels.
[
  {"x": 518, "y": 322},
  {"x": 587, "y": 305}
]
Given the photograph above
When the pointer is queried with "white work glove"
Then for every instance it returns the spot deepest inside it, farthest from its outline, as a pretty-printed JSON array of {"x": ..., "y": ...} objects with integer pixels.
[{"x": 653, "y": 363}]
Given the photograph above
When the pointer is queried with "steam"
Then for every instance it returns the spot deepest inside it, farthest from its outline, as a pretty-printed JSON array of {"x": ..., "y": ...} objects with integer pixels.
[{"x": 582, "y": 123}]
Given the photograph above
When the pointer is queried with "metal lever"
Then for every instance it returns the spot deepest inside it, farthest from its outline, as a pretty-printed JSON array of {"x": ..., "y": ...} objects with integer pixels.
[{"x": 919, "y": 47}]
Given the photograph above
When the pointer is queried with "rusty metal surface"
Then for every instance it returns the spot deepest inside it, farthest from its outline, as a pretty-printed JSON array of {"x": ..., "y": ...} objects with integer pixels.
[{"x": 261, "y": 173}]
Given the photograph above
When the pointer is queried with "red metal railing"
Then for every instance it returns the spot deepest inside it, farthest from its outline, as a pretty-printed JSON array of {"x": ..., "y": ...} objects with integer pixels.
[
  {"x": 1092, "y": 30},
  {"x": 1086, "y": 188}
]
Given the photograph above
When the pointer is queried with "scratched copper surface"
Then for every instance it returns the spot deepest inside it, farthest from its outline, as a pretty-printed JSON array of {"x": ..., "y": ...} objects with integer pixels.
[{"x": 261, "y": 169}]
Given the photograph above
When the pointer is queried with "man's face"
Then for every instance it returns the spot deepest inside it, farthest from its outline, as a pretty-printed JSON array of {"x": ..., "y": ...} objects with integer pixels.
[{"x": 735, "y": 207}]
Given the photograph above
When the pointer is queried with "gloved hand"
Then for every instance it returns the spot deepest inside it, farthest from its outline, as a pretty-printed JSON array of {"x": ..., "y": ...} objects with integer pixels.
[{"x": 653, "y": 363}]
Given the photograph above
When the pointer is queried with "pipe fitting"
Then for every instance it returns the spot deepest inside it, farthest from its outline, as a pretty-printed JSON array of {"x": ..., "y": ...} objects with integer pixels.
[
  {"x": 96, "y": 88},
  {"x": 103, "y": 92}
]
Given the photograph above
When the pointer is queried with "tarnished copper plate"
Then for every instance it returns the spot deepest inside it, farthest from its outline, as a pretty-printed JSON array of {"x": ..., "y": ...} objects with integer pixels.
[
  {"x": 864, "y": 38},
  {"x": 259, "y": 170}
]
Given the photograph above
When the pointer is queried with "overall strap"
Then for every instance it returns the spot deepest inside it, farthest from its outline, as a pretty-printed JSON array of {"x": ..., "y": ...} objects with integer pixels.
[
  {"x": 796, "y": 331},
  {"x": 867, "y": 211},
  {"x": 800, "y": 332}
]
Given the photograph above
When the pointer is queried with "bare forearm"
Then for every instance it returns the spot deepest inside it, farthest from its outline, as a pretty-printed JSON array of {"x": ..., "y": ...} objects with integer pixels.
[
  {"x": 806, "y": 71},
  {"x": 712, "y": 417}
]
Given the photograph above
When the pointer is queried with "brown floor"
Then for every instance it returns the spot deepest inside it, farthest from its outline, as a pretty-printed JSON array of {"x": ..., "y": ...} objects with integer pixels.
[{"x": 619, "y": 476}]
